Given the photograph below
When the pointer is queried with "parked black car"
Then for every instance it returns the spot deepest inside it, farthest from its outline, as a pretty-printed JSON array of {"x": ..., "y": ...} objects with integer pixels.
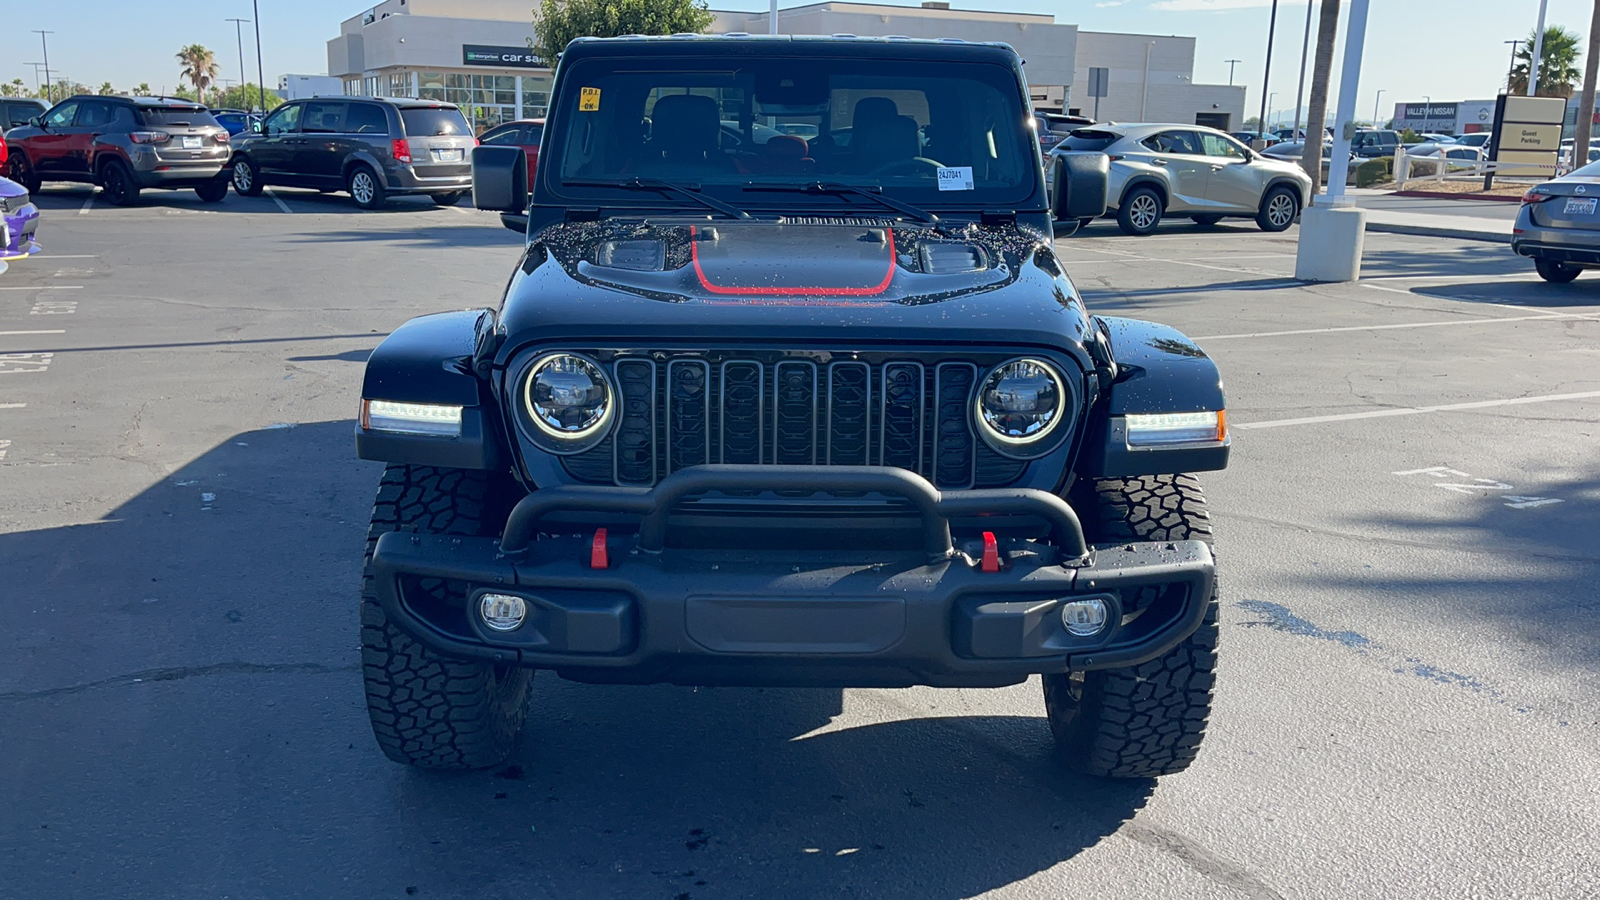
[
  {"x": 373, "y": 148},
  {"x": 17, "y": 111},
  {"x": 124, "y": 145},
  {"x": 803, "y": 415}
]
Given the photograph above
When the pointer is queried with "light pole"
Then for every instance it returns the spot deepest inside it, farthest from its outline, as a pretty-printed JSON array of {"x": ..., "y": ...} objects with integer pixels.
[
  {"x": 1300, "y": 92},
  {"x": 772, "y": 18},
  {"x": 238, "y": 37},
  {"x": 1266, "y": 76},
  {"x": 1144, "y": 85},
  {"x": 1538, "y": 50},
  {"x": 36, "y": 67},
  {"x": 261, "y": 79},
  {"x": 1513, "y": 67},
  {"x": 1269, "y": 112},
  {"x": 1427, "y": 111},
  {"x": 49, "y": 92},
  {"x": 1231, "y": 63},
  {"x": 1375, "y": 101}
]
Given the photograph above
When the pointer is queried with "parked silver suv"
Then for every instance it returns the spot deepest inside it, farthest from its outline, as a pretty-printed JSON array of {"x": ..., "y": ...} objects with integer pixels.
[
  {"x": 372, "y": 147},
  {"x": 1190, "y": 170}
]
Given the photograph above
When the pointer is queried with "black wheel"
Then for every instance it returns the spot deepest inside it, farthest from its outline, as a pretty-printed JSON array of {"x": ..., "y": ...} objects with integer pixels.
[
  {"x": 1140, "y": 211},
  {"x": 1146, "y": 720},
  {"x": 212, "y": 191},
  {"x": 246, "y": 178},
  {"x": 450, "y": 199},
  {"x": 1206, "y": 221},
  {"x": 117, "y": 183},
  {"x": 428, "y": 710},
  {"x": 18, "y": 169},
  {"x": 1278, "y": 209},
  {"x": 364, "y": 187},
  {"x": 1555, "y": 272}
]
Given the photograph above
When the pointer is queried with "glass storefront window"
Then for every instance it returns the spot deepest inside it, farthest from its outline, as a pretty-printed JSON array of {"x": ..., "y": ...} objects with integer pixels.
[
  {"x": 399, "y": 85},
  {"x": 431, "y": 85}
]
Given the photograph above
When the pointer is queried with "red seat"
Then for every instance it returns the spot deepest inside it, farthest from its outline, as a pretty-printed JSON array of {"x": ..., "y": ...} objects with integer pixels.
[{"x": 785, "y": 154}]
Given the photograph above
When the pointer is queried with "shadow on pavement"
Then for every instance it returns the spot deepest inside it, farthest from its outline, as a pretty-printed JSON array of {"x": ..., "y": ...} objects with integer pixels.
[
  {"x": 1576, "y": 296},
  {"x": 180, "y": 692}
]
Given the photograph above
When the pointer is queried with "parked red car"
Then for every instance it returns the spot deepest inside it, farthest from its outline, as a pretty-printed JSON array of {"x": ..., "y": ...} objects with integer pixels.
[{"x": 524, "y": 133}]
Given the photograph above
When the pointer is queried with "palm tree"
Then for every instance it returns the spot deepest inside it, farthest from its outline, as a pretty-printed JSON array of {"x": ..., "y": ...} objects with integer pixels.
[
  {"x": 1558, "y": 63},
  {"x": 143, "y": 90},
  {"x": 13, "y": 89},
  {"x": 199, "y": 67},
  {"x": 106, "y": 89}
]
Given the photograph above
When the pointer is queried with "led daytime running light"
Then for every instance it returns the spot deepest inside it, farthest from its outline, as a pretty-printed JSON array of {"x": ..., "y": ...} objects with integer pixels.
[
  {"x": 411, "y": 418},
  {"x": 1156, "y": 429}
]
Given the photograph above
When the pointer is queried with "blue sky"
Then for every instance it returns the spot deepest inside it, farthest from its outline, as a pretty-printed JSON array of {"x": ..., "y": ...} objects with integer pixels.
[{"x": 1446, "y": 50}]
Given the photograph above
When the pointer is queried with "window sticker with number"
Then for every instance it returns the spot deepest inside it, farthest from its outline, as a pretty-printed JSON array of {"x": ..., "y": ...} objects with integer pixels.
[{"x": 955, "y": 178}]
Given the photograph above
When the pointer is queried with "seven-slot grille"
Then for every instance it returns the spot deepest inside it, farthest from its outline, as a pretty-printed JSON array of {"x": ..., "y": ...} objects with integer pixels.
[{"x": 780, "y": 410}]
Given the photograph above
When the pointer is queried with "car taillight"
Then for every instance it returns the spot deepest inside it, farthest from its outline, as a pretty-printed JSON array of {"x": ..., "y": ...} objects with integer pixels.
[
  {"x": 222, "y": 137},
  {"x": 149, "y": 137},
  {"x": 1535, "y": 196},
  {"x": 402, "y": 150}
]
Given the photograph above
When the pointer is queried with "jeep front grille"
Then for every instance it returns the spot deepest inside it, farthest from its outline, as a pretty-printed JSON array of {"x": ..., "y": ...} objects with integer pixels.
[{"x": 779, "y": 409}]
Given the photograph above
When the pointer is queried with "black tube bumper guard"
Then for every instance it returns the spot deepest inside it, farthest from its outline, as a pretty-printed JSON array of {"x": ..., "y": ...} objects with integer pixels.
[{"x": 777, "y": 617}]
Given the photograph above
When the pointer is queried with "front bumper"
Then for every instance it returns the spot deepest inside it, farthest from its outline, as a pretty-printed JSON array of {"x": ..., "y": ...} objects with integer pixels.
[
  {"x": 841, "y": 618},
  {"x": 21, "y": 226}
]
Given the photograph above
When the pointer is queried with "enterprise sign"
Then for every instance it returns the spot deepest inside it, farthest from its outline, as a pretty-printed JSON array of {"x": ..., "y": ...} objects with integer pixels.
[{"x": 485, "y": 55}]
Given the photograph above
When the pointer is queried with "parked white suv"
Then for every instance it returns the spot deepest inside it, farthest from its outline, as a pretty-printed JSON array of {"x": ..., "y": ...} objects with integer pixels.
[{"x": 1193, "y": 171}]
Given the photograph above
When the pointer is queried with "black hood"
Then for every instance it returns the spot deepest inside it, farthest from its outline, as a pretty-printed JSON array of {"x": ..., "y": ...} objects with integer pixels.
[{"x": 798, "y": 280}]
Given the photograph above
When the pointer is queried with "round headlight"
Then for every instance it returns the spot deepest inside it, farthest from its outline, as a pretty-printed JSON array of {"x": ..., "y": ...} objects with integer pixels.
[
  {"x": 1021, "y": 403},
  {"x": 568, "y": 397}
]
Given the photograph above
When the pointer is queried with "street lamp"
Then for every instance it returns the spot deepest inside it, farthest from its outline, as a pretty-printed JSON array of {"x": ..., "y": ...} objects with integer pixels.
[
  {"x": 1269, "y": 112},
  {"x": 49, "y": 92},
  {"x": 1266, "y": 75},
  {"x": 238, "y": 38},
  {"x": 1375, "y": 101},
  {"x": 1231, "y": 63},
  {"x": 1427, "y": 111}
]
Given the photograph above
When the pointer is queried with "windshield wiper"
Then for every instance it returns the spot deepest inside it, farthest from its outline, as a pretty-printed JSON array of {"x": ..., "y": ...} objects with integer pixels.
[
  {"x": 875, "y": 192},
  {"x": 692, "y": 191}
]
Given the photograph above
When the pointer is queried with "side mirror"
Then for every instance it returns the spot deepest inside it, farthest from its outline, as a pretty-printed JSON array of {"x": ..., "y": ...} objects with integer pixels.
[
  {"x": 500, "y": 179},
  {"x": 1081, "y": 182},
  {"x": 37, "y": 121},
  {"x": 255, "y": 127}
]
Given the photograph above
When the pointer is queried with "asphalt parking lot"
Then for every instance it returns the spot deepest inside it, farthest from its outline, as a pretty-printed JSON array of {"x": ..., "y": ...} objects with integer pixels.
[{"x": 1410, "y": 535}]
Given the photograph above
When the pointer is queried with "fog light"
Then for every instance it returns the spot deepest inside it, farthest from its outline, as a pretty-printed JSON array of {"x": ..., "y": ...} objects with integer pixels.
[
  {"x": 1084, "y": 618},
  {"x": 502, "y": 612}
]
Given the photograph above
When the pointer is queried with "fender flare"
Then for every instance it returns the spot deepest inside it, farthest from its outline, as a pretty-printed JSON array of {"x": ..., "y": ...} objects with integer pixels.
[
  {"x": 434, "y": 360},
  {"x": 1152, "y": 369}
]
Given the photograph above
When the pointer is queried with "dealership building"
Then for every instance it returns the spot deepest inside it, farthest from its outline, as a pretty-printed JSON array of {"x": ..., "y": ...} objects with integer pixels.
[{"x": 474, "y": 53}]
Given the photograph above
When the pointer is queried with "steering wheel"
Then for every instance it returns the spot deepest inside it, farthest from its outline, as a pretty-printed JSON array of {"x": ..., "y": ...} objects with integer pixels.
[{"x": 913, "y": 166}]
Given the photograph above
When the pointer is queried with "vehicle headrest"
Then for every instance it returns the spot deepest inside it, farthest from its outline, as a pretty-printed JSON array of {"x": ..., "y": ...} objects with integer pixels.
[
  {"x": 685, "y": 122},
  {"x": 869, "y": 109},
  {"x": 787, "y": 146}
]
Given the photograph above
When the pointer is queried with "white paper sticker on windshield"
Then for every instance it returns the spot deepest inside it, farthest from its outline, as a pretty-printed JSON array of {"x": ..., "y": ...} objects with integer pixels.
[{"x": 955, "y": 178}]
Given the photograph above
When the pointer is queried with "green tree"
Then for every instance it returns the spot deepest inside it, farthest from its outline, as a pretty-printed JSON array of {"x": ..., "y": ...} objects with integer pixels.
[
  {"x": 246, "y": 96},
  {"x": 557, "y": 22},
  {"x": 106, "y": 89},
  {"x": 143, "y": 90},
  {"x": 1558, "y": 63},
  {"x": 199, "y": 68},
  {"x": 15, "y": 89}
]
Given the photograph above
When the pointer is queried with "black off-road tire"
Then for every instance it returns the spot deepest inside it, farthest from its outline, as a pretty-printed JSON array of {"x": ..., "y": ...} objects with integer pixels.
[
  {"x": 428, "y": 710},
  {"x": 1555, "y": 272},
  {"x": 1140, "y": 211},
  {"x": 1147, "y": 720},
  {"x": 117, "y": 183}
]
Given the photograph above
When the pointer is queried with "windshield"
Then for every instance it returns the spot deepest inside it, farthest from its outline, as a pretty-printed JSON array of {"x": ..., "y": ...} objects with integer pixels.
[
  {"x": 434, "y": 121},
  {"x": 929, "y": 133},
  {"x": 176, "y": 115},
  {"x": 1089, "y": 140}
]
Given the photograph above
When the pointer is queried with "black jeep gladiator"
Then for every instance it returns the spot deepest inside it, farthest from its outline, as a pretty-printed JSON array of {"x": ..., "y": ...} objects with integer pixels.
[{"x": 790, "y": 388}]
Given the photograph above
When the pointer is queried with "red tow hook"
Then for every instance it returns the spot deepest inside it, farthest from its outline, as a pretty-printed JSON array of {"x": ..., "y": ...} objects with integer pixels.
[
  {"x": 598, "y": 559},
  {"x": 991, "y": 553}
]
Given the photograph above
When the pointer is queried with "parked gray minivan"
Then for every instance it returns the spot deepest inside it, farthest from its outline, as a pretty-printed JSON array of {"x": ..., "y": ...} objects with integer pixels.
[{"x": 372, "y": 147}]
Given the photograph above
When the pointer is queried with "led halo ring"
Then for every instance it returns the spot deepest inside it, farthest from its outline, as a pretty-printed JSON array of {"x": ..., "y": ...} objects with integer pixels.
[
  {"x": 594, "y": 426},
  {"x": 1016, "y": 445}
]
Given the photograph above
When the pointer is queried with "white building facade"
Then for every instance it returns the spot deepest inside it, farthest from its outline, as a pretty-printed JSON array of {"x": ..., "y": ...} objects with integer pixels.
[{"x": 474, "y": 53}]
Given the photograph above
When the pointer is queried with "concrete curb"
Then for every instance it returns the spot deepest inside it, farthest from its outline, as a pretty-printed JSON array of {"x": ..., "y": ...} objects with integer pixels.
[{"x": 1466, "y": 234}]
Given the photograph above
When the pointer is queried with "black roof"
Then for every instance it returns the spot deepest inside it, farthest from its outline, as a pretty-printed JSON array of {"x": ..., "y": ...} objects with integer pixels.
[{"x": 742, "y": 44}]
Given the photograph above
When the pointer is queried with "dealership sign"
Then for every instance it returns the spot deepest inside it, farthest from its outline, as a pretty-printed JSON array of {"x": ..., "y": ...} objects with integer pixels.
[{"x": 485, "y": 55}]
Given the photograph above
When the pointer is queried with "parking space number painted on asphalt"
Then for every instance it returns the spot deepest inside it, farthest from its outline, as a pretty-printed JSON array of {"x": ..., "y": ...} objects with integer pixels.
[
  {"x": 19, "y": 363},
  {"x": 1479, "y": 486}
]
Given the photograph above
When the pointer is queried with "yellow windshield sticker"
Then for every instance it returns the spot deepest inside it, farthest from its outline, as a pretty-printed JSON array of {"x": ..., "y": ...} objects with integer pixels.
[{"x": 588, "y": 99}]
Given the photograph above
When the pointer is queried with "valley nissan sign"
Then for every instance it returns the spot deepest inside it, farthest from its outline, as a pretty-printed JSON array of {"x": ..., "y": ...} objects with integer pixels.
[{"x": 485, "y": 55}]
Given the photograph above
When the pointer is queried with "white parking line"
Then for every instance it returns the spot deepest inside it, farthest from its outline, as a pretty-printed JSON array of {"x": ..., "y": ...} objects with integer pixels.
[
  {"x": 13, "y": 405},
  {"x": 1134, "y": 257},
  {"x": 278, "y": 200},
  {"x": 45, "y": 331},
  {"x": 1415, "y": 410},
  {"x": 1525, "y": 275},
  {"x": 45, "y": 287},
  {"x": 1543, "y": 317},
  {"x": 68, "y": 256},
  {"x": 87, "y": 204}
]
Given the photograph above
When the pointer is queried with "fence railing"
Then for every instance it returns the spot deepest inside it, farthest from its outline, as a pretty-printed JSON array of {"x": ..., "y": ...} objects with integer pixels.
[{"x": 1410, "y": 167}]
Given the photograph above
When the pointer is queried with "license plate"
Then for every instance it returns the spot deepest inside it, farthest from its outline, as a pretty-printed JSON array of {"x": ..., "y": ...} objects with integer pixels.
[
  {"x": 1581, "y": 207},
  {"x": 191, "y": 143},
  {"x": 447, "y": 155}
]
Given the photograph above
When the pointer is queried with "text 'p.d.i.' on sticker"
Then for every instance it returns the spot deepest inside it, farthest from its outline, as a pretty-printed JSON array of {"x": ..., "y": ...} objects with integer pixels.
[
  {"x": 588, "y": 99},
  {"x": 955, "y": 178}
]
